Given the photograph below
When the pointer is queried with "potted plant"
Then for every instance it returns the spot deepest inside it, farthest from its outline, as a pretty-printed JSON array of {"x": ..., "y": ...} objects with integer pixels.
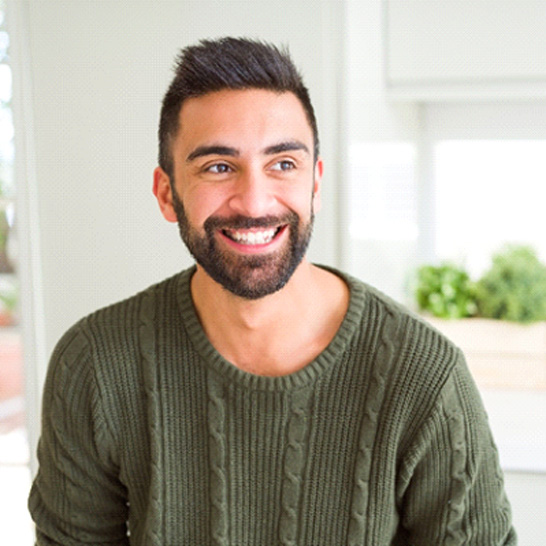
[
  {"x": 514, "y": 288},
  {"x": 502, "y": 316},
  {"x": 445, "y": 291}
]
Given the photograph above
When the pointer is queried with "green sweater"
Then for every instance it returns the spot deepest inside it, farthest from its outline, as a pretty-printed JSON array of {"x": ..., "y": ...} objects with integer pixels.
[{"x": 382, "y": 440}]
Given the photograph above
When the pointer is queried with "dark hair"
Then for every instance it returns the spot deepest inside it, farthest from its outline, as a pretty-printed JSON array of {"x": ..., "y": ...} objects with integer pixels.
[{"x": 228, "y": 63}]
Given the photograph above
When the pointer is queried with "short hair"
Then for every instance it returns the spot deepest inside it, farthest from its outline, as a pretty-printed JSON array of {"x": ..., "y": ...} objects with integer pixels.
[{"x": 228, "y": 63}]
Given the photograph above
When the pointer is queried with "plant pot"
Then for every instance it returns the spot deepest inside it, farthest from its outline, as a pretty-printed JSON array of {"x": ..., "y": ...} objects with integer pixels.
[{"x": 500, "y": 354}]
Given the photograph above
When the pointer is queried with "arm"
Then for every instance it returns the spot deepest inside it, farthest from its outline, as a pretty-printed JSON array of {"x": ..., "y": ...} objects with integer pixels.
[
  {"x": 76, "y": 497},
  {"x": 453, "y": 492}
]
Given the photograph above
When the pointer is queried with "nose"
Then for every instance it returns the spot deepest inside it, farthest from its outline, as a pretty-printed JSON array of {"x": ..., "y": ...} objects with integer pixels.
[{"x": 252, "y": 195}]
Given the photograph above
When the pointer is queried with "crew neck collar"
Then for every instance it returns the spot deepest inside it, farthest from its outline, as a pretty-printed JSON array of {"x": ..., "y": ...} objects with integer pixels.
[{"x": 299, "y": 379}]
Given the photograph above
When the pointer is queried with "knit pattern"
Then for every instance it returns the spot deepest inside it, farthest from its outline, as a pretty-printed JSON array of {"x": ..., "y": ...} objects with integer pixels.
[
  {"x": 454, "y": 534},
  {"x": 147, "y": 347},
  {"x": 386, "y": 352},
  {"x": 218, "y": 485},
  {"x": 294, "y": 462},
  {"x": 381, "y": 440}
]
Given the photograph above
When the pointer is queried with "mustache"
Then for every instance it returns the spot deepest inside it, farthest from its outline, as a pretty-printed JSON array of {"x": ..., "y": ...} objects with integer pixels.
[{"x": 239, "y": 221}]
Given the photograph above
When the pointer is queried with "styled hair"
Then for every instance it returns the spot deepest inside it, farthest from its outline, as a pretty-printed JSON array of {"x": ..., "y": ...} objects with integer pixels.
[{"x": 228, "y": 63}]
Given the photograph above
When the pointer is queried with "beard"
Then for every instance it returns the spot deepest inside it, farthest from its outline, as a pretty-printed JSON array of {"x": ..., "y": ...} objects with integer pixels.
[{"x": 250, "y": 277}]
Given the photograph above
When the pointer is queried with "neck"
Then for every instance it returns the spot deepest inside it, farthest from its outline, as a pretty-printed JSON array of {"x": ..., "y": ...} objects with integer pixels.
[
  {"x": 277, "y": 334},
  {"x": 233, "y": 312}
]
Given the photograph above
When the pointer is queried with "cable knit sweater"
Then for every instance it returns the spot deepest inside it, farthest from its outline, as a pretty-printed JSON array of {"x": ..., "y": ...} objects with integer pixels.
[{"x": 151, "y": 438}]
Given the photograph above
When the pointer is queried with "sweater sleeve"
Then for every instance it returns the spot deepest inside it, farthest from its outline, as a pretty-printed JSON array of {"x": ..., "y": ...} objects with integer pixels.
[
  {"x": 453, "y": 490},
  {"x": 76, "y": 497}
]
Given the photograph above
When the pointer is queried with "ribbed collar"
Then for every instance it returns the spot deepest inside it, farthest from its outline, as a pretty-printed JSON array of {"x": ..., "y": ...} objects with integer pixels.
[{"x": 299, "y": 379}]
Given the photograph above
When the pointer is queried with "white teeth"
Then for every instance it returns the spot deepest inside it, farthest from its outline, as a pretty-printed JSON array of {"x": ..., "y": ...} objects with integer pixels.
[{"x": 253, "y": 237}]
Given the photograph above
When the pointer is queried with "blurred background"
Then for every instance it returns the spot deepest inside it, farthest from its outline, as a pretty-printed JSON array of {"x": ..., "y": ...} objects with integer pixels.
[{"x": 432, "y": 117}]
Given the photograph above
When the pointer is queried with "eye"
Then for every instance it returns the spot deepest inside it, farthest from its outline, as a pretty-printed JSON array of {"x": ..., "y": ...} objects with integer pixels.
[
  {"x": 283, "y": 165},
  {"x": 218, "y": 168}
]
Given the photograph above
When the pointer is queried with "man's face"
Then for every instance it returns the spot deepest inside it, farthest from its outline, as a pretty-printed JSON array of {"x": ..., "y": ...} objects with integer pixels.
[{"x": 246, "y": 187}]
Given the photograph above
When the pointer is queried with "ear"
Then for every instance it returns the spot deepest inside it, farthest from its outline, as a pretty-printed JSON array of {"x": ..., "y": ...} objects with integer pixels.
[
  {"x": 317, "y": 184},
  {"x": 163, "y": 193}
]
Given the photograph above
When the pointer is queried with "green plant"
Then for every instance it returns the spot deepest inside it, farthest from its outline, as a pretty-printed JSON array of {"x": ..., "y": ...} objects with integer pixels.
[
  {"x": 446, "y": 291},
  {"x": 514, "y": 288}
]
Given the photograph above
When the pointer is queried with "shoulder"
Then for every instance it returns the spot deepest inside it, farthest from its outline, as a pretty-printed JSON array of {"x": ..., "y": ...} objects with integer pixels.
[
  {"x": 105, "y": 354},
  {"x": 113, "y": 337},
  {"x": 123, "y": 318},
  {"x": 408, "y": 334},
  {"x": 427, "y": 372},
  {"x": 425, "y": 358},
  {"x": 415, "y": 359},
  {"x": 130, "y": 311},
  {"x": 411, "y": 331}
]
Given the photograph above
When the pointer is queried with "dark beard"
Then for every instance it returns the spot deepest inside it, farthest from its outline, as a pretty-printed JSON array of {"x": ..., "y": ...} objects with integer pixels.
[{"x": 249, "y": 277}]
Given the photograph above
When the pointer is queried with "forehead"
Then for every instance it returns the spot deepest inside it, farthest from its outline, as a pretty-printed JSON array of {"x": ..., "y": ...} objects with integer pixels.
[{"x": 245, "y": 118}]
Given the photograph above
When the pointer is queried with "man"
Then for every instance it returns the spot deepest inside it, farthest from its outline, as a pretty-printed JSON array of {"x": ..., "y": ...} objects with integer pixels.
[{"x": 257, "y": 399}]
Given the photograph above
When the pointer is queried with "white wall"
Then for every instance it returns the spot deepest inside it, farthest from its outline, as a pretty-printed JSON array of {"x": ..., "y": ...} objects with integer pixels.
[
  {"x": 463, "y": 49},
  {"x": 371, "y": 118},
  {"x": 99, "y": 70}
]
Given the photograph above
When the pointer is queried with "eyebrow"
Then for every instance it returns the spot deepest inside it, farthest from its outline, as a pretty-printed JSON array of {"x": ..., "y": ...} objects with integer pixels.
[
  {"x": 289, "y": 145},
  {"x": 201, "y": 151},
  {"x": 215, "y": 149}
]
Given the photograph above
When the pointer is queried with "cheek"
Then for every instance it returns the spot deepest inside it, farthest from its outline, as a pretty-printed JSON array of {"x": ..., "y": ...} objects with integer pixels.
[
  {"x": 301, "y": 199},
  {"x": 202, "y": 203}
]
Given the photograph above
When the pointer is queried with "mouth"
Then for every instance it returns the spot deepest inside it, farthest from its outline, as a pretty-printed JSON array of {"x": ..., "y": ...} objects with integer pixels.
[{"x": 253, "y": 237}]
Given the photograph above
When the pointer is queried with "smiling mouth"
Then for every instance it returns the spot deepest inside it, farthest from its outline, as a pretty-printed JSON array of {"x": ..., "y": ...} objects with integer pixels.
[{"x": 254, "y": 236}]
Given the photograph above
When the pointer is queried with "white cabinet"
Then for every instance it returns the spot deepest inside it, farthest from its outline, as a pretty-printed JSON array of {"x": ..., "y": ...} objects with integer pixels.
[{"x": 460, "y": 49}]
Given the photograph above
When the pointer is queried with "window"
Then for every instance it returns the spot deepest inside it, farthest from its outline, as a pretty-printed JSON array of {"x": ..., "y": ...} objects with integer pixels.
[
  {"x": 15, "y": 526},
  {"x": 383, "y": 197},
  {"x": 382, "y": 214},
  {"x": 488, "y": 193},
  {"x": 473, "y": 180},
  {"x": 488, "y": 186}
]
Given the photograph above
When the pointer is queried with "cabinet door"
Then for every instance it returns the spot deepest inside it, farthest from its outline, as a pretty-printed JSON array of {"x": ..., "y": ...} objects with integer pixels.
[{"x": 487, "y": 47}]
